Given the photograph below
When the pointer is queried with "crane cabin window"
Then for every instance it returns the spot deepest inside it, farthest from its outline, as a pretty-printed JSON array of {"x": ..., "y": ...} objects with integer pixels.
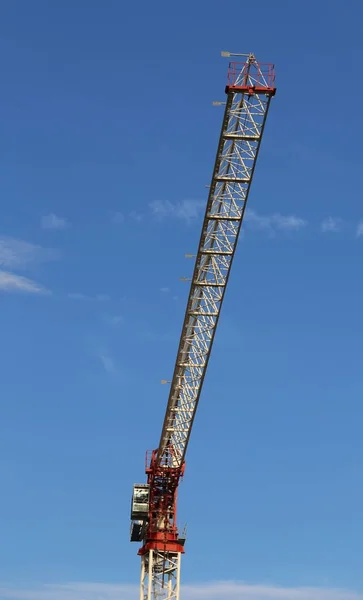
[{"x": 140, "y": 501}]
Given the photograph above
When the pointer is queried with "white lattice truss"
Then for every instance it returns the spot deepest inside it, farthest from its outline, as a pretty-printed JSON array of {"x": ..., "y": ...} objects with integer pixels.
[
  {"x": 239, "y": 143},
  {"x": 160, "y": 576}
]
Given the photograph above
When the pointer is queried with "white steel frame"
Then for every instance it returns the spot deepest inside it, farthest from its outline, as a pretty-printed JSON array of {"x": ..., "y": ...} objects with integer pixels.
[
  {"x": 160, "y": 575},
  {"x": 239, "y": 143}
]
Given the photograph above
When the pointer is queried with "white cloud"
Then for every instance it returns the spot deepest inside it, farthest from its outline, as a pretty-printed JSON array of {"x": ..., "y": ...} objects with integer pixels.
[
  {"x": 207, "y": 591},
  {"x": 76, "y": 296},
  {"x": 9, "y": 282},
  {"x": 331, "y": 224},
  {"x": 117, "y": 217},
  {"x": 16, "y": 253},
  {"x": 165, "y": 290},
  {"x": 53, "y": 221},
  {"x": 107, "y": 362},
  {"x": 273, "y": 223},
  {"x": 289, "y": 223},
  {"x": 81, "y": 296},
  {"x": 136, "y": 216},
  {"x": 222, "y": 590},
  {"x": 359, "y": 229},
  {"x": 113, "y": 319},
  {"x": 102, "y": 297},
  {"x": 187, "y": 210}
]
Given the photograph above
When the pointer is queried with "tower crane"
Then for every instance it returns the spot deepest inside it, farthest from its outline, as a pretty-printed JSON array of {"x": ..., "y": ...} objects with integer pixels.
[{"x": 250, "y": 87}]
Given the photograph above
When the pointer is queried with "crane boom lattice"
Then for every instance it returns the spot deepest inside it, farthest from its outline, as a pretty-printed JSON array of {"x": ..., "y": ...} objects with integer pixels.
[
  {"x": 249, "y": 91},
  {"x": 242, "y": 128}
]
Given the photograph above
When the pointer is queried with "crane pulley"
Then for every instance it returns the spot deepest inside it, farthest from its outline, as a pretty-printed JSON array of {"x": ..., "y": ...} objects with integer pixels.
[{"x": 250, "y": 87}]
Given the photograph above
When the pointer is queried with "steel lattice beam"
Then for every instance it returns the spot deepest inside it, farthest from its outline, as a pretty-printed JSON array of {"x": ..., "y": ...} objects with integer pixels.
[
  {"x": 248, "y": 99},
  {"x": 160, "y": 576}
]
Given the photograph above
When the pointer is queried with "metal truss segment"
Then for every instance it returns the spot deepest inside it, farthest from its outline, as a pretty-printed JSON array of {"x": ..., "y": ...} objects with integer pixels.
[
  {"x": 160, "y": 576},
  {"x": 248, "y": 98}
]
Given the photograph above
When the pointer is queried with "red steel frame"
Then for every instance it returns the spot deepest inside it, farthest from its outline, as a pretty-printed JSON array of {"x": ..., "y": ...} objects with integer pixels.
[
  {"x": 240, "y": 75},
  {"x": 162, "y": 533}
]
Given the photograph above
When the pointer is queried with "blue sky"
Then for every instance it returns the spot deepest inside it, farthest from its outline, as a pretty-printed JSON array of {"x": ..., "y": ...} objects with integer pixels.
[{"x": 108, "y": 136}]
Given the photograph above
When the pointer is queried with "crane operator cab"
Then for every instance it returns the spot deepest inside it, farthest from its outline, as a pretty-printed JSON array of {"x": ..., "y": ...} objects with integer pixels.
[
  {"x": 140, "y": 501},
  {"x": 139, "y": 510}
]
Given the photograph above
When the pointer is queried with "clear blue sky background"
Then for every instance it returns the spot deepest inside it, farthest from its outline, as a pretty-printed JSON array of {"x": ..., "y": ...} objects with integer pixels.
[{"x": 106, "y": 115}]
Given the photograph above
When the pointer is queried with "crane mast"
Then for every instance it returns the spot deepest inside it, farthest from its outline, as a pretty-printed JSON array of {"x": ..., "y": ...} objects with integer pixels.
[{"x": 249, "y": 90}]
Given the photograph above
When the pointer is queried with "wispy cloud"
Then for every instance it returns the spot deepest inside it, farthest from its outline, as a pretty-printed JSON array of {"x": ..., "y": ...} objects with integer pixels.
[
  {"x": 10, "y": 282},
  {"x": 81, "y": 296},
  {"x": 222, "y": 590},
  {"x": 273, "y": 223},
  {"x": 166, "y": 290},
  {"x": 113, "y": 320},
  {"x": 186, "y": 210},
  {"x": 102, "y": 297},
  {"x": 53, "y": 221},
  {"x": 192, "y": 210},
  {"x": 136, "y": 216},
  {"x": 216, "y": 591},
  {"x": 331, "y": 225},
  {"x": 76, "y": 296},
  {"x": 359, "y": 231},
  {"x": 117, "y": 217},
  {"x": 107, "y": 362},
  {"x": 18, "y": 254}
]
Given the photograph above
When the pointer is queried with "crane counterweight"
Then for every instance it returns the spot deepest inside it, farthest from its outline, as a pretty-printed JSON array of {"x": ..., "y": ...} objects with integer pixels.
[{"x": 250, "y": 87}]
